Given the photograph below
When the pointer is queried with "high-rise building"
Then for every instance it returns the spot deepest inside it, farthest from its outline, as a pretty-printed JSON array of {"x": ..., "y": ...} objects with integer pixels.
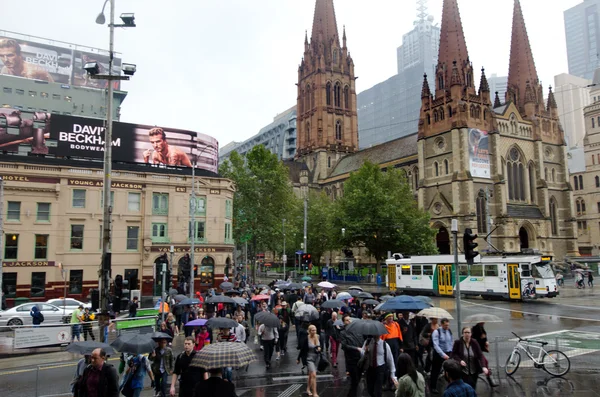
[
  {"x": 572, "y": 95},
  {"x": 582, "y": 30},
  {"x": 498, "y": 84}
]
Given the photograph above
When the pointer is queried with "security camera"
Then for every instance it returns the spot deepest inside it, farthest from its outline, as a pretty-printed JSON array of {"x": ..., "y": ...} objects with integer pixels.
[
  {"x": 128, "y": 19},
  {"x": 92, "y": 68},
  {"x": 128, "y": 69}
]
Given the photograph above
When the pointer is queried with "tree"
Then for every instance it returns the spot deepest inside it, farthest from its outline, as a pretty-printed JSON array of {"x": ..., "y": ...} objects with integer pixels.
[
  {"x": 380, "y": 213},
  {"x": 321, "y": 215}
]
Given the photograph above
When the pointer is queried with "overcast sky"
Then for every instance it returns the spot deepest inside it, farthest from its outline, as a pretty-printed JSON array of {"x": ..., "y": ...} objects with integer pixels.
[{"x": 227, "y": 67}]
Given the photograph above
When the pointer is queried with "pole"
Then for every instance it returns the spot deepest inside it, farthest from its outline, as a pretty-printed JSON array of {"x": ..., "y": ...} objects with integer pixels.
[
  {"x": 1, "y": 235},
  {"x": 488, "y": 220},
  {"x": 246, "y": 261},
  {"x": 305, "y": 226},
  {"x": 163, "y": 294},
  {"x": 284, "y": 256},
  {"x": 194, "y": 228},
  {"x": 456, "y": 272},
  {"x": 106, "y": 228},
  {"x": 172, "y": 252}
]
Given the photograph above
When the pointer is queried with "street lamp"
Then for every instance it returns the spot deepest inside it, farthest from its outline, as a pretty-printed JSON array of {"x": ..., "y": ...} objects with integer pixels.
[
  {"x": 93, "y": 70},
  {"x": 344, "y": 259}
]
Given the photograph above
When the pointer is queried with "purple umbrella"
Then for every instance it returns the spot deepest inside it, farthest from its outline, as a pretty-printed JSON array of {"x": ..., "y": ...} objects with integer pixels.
[{"x": 196, "y": 323}]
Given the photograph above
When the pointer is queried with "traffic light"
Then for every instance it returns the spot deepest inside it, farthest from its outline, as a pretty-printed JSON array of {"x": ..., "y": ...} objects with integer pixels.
[
  {"x": 306, "y": 261},
  {"x": 195, "y": 271},
  {"x": 118, "y": 286},
  {"x": 469, "y": 245}
]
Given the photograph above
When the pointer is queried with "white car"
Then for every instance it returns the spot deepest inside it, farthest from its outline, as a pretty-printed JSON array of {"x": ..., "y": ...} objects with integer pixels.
[
  {"x": 68, "y": 305},
  {"x": 19, "y": 315}
]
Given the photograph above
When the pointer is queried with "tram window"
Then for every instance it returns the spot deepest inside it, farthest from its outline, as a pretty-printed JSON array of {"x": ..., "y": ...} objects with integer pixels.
[
  {"x": 428, "y": 270},
  {"x": 463, "y": 270},
  {"x": 406, "y": 270},
  {"x": 525, "y": 270},
  {"x": 416, "y": 270},
  {"x": 477, "y": 270},
  {"x": 491, "y": 270}
]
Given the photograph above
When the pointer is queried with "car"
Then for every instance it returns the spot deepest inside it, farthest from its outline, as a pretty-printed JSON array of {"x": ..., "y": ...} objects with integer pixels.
[
  {"x": 68, "y": 306},
  {"x": 19, "y": 315}
]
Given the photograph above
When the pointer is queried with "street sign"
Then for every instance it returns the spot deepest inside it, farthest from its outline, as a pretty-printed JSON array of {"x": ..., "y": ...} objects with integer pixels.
[
  {"x": 284, "y": 258},
  {"x": 41, "y": 336}
]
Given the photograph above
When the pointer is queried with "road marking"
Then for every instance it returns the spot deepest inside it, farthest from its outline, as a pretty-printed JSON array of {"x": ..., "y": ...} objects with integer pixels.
[
  {"x": 328, "y": 376},
  {"x": 45, "y": 367},
  {"x": 532, "y": 313},
  {"x": 290, "y": 390}
]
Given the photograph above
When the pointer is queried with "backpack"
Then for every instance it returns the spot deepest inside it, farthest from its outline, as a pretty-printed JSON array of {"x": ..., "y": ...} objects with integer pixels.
[{"x": 40, "y": 316}]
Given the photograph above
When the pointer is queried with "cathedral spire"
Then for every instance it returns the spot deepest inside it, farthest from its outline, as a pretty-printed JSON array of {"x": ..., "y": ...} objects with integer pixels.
[
  {"x": 453, "y": 46},
  {"x": 521, "y": 72},
  {"x": 324, "y": 24},
  {"x": 483, "y": 84},
  {"x": 344, "y": 37},
  {"x": 497, "y": 102},
  {"x": 425, "y": 92}
]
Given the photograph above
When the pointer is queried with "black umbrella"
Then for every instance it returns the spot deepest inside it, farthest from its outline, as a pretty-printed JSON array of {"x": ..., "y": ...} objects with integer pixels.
[
  {"x": 134, "y": 343},
  {"x": 240, "y": 301},
  {"x": 333, "y": 304},
  {"x": 220, "y": 299},
  {"x": 294, "y": 286},
  {"x": 189, "y": 301},
  {"x": 354, "y": 292},
  {"x": 267, "y": 318},
  {"x": 261, "y": 286},
  {"x": 372, "y": 302},
  {"x": 232, "y": 292},
  {"x": 226, "y": 285},
  {"x": 156, "y": 336},
  {"x": 367, "y": 327},
  {"x": 222, "y": 322},
  {"x": 180, "y": 297},
  {"x": 88, "y": 347},
  {"x": 363, "y": 295}
]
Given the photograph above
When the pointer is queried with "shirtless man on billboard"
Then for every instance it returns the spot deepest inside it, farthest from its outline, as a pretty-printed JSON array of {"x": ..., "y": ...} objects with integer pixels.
[
  {"x": 15, "y": 65},
  {"x": 163, "y": 153}
]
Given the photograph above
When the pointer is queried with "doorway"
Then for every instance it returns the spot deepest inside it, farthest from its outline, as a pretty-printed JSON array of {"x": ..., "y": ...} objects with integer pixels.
[
  {"x": 524, "y": 238},
  {"x": 443, "y": 241}
]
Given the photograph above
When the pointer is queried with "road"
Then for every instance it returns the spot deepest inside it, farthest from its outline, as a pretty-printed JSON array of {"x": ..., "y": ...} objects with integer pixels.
[{"x": 572, "y": 321}]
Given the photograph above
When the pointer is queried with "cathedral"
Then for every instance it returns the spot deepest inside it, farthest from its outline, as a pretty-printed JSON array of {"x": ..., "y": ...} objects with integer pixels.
[{"x": 497, "y": 165}]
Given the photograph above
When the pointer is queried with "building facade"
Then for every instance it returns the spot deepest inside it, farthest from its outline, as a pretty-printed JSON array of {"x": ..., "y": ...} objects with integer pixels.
[
  {"x": 582, "y": 31},
  {"x": 572, "y": 95}
]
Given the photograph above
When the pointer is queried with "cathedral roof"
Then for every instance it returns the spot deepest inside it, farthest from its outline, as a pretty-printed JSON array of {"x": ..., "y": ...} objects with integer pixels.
[
  {"x": 324, "y": 23},
  {"x": 295, "y": 167},
  {"x": 453, "y": 46},
  {"x": 380, "y": 154},
  {"x": 522, "y": 67}
]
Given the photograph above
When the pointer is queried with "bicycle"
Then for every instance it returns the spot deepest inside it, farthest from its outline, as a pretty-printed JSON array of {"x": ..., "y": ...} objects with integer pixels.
[{"x": 555, "y": 362}]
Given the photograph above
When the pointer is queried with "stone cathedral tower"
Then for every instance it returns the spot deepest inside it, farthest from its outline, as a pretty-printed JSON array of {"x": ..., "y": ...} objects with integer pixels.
[{"x": 327, "y": 119}]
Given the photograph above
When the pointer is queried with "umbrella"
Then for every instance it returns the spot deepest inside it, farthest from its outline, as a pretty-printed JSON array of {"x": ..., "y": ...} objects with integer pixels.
[
  {"x": 189, "y": 301},
  {"x": 378, "y": 307},
  {"x": 196, "y": 323},
  {"x": 226, "y": 285},
  {"x": 268, "y": 319},
  {"x": 481, "y": 318},
  {"x": 240, "y": 301},
  {"x": 307, "y": 313},
  {"x": 220, "y": 299},
  {"x": 367, "y": 327},
  {"x": 353, "y": 292},
  {"x": 404, "y": 303},
  {"x": 219, "y": 355},
  {"x": 342, "y": 296},
  {"x": 87, "y": 347},
  {"x": 355, "y": 287},
  {"x": 425, "y": 299},
  {"x": 333, "y": 304},
  {"x": 156, "y": 336},
  {"x": 134, "y": 343},
  {"x": 364, "y": 295},
  {"x": 306, "y": 278},
  {"x": 221, "y": 322},
  {"x": 261, "y": 286},
  {"x": 385, "y": 297},
  {"x": 260, "y": 297},
  {"x": 232, "y": 292},
  {"x": 370, "y": 302},
  {"x": 435, "y": 312},
  {"x": 294, "y": 286},
  {"x": 180, "y": 297},
  {"x": 281, "y": 283},
  {"x": 326, "y": 284},
  {"x": 173, "y": 292}
]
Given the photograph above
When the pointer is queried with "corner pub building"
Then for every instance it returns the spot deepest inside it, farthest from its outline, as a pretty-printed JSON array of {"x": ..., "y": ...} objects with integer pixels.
[{"x": 53, "y": 220}]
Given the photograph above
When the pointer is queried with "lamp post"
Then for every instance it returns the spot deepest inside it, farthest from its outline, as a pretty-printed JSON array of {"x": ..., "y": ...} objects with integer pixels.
[
  {"x": 344, "y": 260},
  {"x": 456, "y": 272},
  {"x": 93, "y": 69},
  {"x": 172, "y": 252},
  {"x": 284, "y": 256},
  {"x": 193, "y": 204}
]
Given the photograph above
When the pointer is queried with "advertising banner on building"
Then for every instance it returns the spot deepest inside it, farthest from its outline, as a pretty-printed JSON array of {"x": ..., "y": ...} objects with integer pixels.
[
  {"x": 42, "y": 59},
  {"x": 479, "y": 155},
  {"x": 41, "y": 336}
]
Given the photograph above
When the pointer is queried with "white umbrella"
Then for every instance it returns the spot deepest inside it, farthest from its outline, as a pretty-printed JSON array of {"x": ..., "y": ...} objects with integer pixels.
[
  {"x": 326, "y": 284},
  {"x": 435, "y": 312},
  {"x": 355, "y": 287},
  {"x": 482, "y": 318}
]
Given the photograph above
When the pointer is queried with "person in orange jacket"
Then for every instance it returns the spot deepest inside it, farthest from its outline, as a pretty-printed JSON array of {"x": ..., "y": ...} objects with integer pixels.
[{"x": 394, "y": 336}]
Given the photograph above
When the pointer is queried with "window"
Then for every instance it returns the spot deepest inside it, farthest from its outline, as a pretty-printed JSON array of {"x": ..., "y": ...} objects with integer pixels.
[
  {"x": 56, "y": 96},
  {"x": 228, "y": 209},
  {"x": 597, "y": 179},
  {"x": 307, "y": 98},
  {"x": 532, "y": 182},
  {"x": 580, "y": 203},
  {"x": 346, "y": 97},
  {"x": 580, "y": 182},
  {"x": 112, "y": 199},
  {"x": 38, "y": 284},
  {"x": 338, "y": 130},
  {"x": 43, "y": 212},
  {"x": 428, "y": 270},
  {"x": 481, "y": 212},
  {"x": 228, "y": 237},
  {"x": 338, "y": 94},
  {"x": 75, "y": 281},
  {"x": 41, "y": 246},
  {"x": 491, "y": 270},
  {"x": 9, "y": 285},
  {"x": 436, "y": 169},
  {"x": 20, "y": 91},
  {"x": 328, "y": 93},
  {"x": 515, "y": 172},
  {"x": 32, "y": 93},
  {"x": 406, "y": 270},
  {"x": 417, "y": 270},
  {"x": 76, "y": 237},
  {"x": 133, "y": 202},
  {"x": 598, "y": 204},
  {"x": 160, "y": 204},
  {"x": 576, "y": 182},
  {"x": 132, "y": 237},
  {"x": 11, "y": 247},
  {"x": 201, "y": 206},
  {"x": 477, "y": 270},
  {"x": 446, "y": 166},
  {"x": 553, "y": 217},
  {"x": 159, "y": 233},
  {"x": 14, "y": 211},
  {"x": 78, "y": 198},
  {"x": 593, "y": 123},
  {"x": 463, "y": 270},
  {"x": 525, "y": 270},
  {"x": 582, "y": 226},
  {"x": 207, "y": 269},
  {"x": 200, "y": 231},
  {"x": 7, "y": 90}
]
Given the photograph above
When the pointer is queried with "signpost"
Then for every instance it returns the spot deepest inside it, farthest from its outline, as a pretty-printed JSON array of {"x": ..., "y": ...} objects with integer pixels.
[{"x": 41, "y": 336}]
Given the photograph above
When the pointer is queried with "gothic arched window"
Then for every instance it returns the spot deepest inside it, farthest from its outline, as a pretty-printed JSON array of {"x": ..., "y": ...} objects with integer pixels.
[
  {"x": 416, "y": 178},
  {"x": 307, "y": 133},
  {"x": 328, "y": 162},
  {"x": 446, "y": 166},
  {"x": 441, "y": 113},
  {"x": 328, "y": 93},
  {"x": 580, "y": 182},
  {"x": 440, "y": 81},
  {"x": 580, "y": 203},
  {"x": 532, "y": 182},
  {"x": 553, "y": 217},
  {"x": 335, "y": 57},
  {"x": 515, "y": 172},
  {"x": 312, "y": 96},
  {"x": 553, "y": 175},
  {"x": 346, "y": 97},
  {"x": 435, "y": 116},
  {"x": 301, "y": 101},
  {"x": 481, "y": 213},
  {"x": 337, "y": 94},
  {"x": 449, "y": 111},
  {"x": 307, "y": 98},
  {"x": 597, "y": 181},
  {"x": 428, "y": 119},
  {"x": 338, "y": 130},
  {"x": 436, "y": 169},
  {"x": 576, "y": 182}
]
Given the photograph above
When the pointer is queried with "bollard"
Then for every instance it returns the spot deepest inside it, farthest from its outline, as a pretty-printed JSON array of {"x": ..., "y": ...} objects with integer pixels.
[
  {"x": 497, "y": 358},
  {"x": 37, "y": 379}
]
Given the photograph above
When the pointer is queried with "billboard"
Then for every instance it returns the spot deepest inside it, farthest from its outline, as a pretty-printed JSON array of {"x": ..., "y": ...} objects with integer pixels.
[
  {"x": 80, "y": 137},
  {"x": 42, "y": 59},
  {"x": 479, "y": 155}
]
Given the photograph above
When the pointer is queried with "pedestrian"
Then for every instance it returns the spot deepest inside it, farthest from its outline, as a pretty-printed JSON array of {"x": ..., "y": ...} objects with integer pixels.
[
  {"x": 188, "y": 375},
  {"x": 162, "y": 367},
  {"x": 215, "y": 385},
  {"x": 456, "y": 386},
  {"x": 410, "y": 383},
  {"x": 302, "y": 344},
  {"x": 172, "y": 324},
  {"x": 133, "y": 306},
  {"x": 590, "y": 279},
  {"x": 351, "y": 344},
  {"x": 79, "y": 368},
  {"x": 425, "y": 345},
  {"x": 479, "y": 334},
  {"x": 240, "y": 330},
  {"x": 309, "y": 297},
  {"x": 410, "y": 340},
  {"x": 282, "y": 330},
  {"x": 137, "y": 368},
  {"x": 378, "y": 356},
  {"x": 37, "y": 317},
  {"x": 394, "y": 336},
  {"x": 268, "y": 337},
  {"x": 87, "y": 318},
  {"x": 76, "y": 323},
  {"x": 313, "y": 351},
  {"x": 467, "y": 352},
  {"x": 225, "y": 335},
  {"x": 202, "y": 338},
  {"x": 442, "y": 342},
  {"x": 99, "y": 379},
  {"x": 333, "y": 334}
]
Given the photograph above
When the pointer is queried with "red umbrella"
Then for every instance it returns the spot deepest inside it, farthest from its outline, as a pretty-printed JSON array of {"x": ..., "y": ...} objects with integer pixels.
[{"x": 260, "y": 297}]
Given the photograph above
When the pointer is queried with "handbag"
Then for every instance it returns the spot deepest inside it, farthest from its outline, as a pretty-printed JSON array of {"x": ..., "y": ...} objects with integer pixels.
[
  {"x": 424, "y": 341},
  {"x": 323, "y": 363}
]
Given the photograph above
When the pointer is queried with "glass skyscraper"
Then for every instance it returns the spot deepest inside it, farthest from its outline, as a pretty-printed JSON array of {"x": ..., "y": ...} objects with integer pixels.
[{"x": 582, "y": 31}]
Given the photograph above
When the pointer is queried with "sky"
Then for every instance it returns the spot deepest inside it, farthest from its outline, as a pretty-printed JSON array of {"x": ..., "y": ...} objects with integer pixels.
[{"x": 226, "y": 68}]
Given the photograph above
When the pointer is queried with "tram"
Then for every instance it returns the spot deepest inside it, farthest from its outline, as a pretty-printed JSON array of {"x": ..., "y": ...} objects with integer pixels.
[{"x": 491, "y": 276}]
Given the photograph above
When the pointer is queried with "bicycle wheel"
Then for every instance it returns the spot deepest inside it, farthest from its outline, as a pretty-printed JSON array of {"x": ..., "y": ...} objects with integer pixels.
[
  {"x": 512, "y": 363},
  {"x": 556, "y": 363}
]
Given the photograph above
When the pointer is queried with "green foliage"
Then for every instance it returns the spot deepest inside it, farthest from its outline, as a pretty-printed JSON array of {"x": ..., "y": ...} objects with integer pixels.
[
  {"x": 323, "y": 236},
  {"x": 380, "y": 213}
]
